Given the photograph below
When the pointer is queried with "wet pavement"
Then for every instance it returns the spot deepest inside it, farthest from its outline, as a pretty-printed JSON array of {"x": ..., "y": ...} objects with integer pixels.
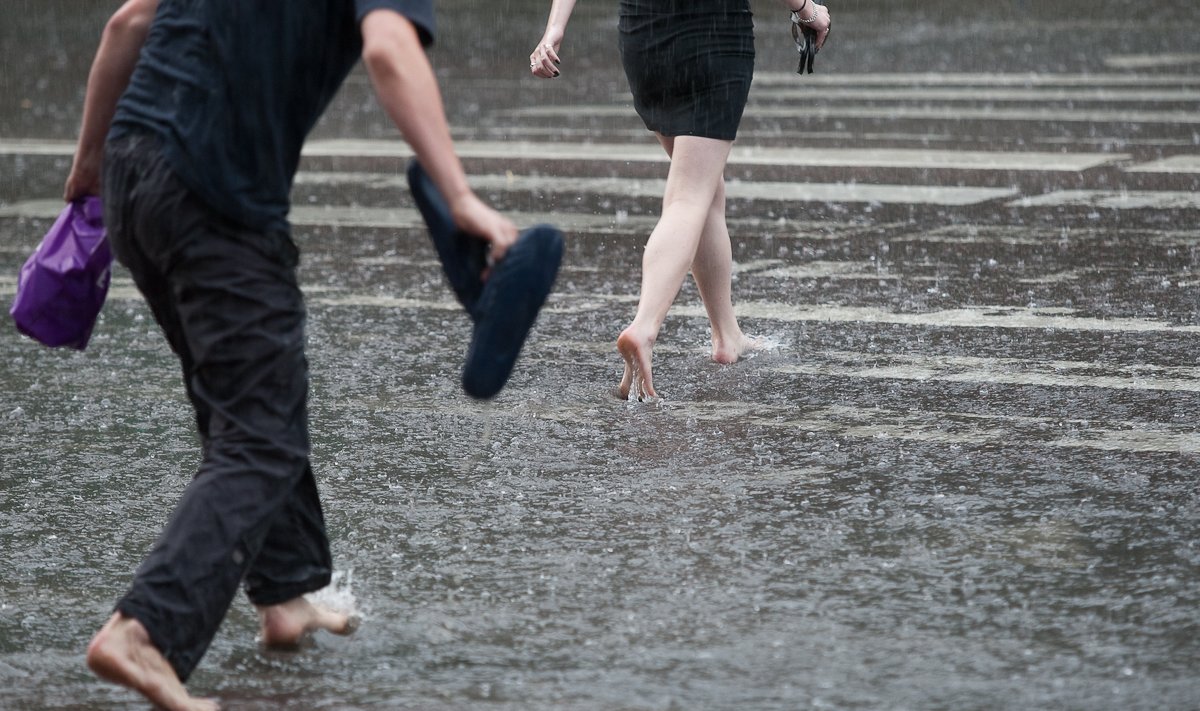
[{"x": 963, "y": 478}]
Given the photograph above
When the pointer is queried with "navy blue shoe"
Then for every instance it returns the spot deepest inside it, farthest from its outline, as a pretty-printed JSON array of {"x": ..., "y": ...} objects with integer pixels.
[{"x": 506, "y": 305}]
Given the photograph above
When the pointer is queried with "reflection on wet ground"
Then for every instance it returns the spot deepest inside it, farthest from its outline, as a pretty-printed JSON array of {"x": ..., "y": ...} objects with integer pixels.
[{"x": 964, "y": 476}]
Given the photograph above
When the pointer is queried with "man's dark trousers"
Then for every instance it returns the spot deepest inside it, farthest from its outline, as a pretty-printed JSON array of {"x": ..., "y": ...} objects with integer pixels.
[{"x": 230, "y": 306}]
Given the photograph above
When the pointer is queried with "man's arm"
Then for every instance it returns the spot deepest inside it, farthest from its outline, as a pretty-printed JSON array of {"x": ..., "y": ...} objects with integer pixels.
[
  {"x": 115, "y": 59},
  {"x": 407, "y": 89}
]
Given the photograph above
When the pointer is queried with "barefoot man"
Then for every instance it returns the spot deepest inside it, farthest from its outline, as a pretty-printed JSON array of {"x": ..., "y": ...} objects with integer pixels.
[{"x": 193, "y": 122}]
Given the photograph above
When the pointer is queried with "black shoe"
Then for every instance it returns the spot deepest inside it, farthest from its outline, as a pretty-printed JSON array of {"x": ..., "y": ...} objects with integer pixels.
[{"x": 506, "y": 305}]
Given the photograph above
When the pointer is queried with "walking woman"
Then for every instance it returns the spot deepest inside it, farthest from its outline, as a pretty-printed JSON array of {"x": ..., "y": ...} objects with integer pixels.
[{"x": 689, "y": 64}]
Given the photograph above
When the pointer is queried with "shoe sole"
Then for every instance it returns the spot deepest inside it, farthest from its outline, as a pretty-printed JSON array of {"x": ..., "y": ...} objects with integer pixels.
[{"x": 506, "y": 305}]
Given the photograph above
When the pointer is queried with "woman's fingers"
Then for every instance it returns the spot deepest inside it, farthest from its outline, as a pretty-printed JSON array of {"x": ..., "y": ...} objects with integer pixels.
[
  {"x": 824, "y": 33},
  {"x": 543, "y": 61}
]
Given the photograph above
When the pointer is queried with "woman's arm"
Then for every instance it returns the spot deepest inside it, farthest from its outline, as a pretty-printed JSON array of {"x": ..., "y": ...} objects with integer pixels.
[
  {"x": 544, "y": 60},
  {"x": 115, "y": 59}
]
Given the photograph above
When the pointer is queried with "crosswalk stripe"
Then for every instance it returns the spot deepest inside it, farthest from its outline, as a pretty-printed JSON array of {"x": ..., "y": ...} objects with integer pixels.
[
  {"x": 1027, "y": 235},
  {"x": 915, "y": 158},
  {"x": 27, "y": 147},
  {"x": 934, "y": 136},
  {"x": 989, "y": 317},
  {"x": 892, "y": 113},
  {"x": 941, "y": 368},
  {"x": 1115, "y": 199},
  {"x": 734, "y": 189},
  {"x": 935, "y": 427},
  {"x": 805, "y": 135},
  {"x": 742, "y": 155},
  {"x": 1048, "y": 94},
  {"x": 397, "y": 218},
  {"x": 1008, "y": 371},
  {"x": 948, "y": 427},
  {"x": 920, "y": 79},
  {"x": 1035, "y": 161},
  {"x": 1175, "y": 164},
  {"x": 1006, "y": 317},
  {"x": 1148, "y": 61},
  {"x": 792, "y": 192}
]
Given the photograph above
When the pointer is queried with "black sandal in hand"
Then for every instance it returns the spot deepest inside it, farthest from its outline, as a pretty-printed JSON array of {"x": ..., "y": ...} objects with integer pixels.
[{"x": 806, "y": 41}]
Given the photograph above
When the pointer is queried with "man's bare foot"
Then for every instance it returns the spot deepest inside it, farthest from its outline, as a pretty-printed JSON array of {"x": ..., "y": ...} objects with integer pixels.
[
  {"x": 122, "y": 653},
  {"x": 638, "y": 376},
  {"x": 730, "y": 351},
  {"x": 286, "y": 624}
]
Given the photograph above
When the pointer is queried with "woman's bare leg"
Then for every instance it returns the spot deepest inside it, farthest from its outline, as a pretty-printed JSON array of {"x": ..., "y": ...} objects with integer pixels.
[
  {"x": 697, "y": 165},
  {"x": 713, "y": 271}
]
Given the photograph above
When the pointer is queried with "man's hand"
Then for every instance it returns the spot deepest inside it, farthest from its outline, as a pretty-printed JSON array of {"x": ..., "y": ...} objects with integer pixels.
[
  {"x": 84, "y": 179},
  {"x": 474, "y": 217}
]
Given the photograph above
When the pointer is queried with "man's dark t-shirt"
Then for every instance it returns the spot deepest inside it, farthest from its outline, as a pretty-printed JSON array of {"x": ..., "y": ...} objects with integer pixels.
[{"x": 233, "y": 87}]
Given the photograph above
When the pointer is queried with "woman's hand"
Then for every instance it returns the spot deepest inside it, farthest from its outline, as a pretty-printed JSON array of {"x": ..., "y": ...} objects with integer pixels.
[
  {"x": 816, "y": 18},
  {"x": 544, "y": 61}
]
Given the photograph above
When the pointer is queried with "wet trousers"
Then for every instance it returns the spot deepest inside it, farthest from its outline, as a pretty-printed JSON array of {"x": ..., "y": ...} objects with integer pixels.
[{"x": 228, "y": 302}]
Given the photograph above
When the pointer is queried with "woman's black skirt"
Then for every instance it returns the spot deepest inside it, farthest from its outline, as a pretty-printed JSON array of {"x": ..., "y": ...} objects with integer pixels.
[{"x": 689, "y": 72}]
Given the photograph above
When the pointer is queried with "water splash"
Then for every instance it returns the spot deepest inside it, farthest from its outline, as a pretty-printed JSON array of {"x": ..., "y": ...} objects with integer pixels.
[{"x": 338, "y": 595}]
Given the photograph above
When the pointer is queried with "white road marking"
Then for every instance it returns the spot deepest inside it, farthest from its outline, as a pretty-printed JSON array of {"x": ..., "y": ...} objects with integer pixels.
[
  {"x": 646, "y": 152},
  {"x": 1007, "y": 317},
  {"x": 937, "y": 427},
  {"x": 734, "y": 189},
  {"x": 1115, "y": 199},
  {"x": 1047, "y": 94},
  {"x": 1008, "y": 371},
  {"x": 749, "y": 155},
  {"x": 1150, "y": 61},
  {"x": 921, "y": 79},
  {"x": 893, "y": 113},
  {"x": 1175, "y": 164}
]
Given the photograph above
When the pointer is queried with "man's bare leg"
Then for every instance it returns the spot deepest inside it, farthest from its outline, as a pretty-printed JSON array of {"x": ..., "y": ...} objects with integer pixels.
[
  {"x": 285, "y": 624},
  {"x": 122, "y": 653}
]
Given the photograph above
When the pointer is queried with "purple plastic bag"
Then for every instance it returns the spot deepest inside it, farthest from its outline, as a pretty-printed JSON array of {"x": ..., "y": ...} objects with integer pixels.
[{"x": 63, "y": 284}]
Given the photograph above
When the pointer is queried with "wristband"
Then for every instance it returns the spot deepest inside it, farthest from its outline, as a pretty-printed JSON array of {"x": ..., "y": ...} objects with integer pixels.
[{"x": 796, "y": 15}]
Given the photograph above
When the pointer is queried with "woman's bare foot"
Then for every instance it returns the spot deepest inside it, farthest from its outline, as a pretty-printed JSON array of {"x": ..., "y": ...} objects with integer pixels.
[
  {"x": 730, "y": 351},
  {"x": 122, "y": 653},
  {"x": 286, "y": 624},
  {"x": 638, "y": 376}
]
